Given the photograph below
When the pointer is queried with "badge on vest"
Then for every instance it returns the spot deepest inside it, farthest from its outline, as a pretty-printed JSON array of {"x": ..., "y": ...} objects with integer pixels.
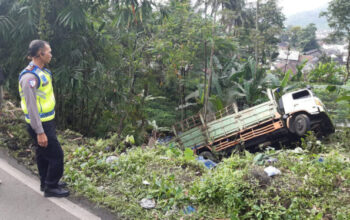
[
  {"x": 44, "y": 80},
  {"x": 30, "y": 67},
  {"x": 32, "y": 83}
]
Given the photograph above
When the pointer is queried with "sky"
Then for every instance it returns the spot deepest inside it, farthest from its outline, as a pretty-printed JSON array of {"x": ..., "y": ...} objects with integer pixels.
[{"x": 290, "y": 7}]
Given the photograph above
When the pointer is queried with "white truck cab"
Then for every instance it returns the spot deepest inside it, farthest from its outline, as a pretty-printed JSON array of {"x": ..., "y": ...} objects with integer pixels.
[
  {"x": 302, "y": 100},
  {"x": 303, "y": 111}
]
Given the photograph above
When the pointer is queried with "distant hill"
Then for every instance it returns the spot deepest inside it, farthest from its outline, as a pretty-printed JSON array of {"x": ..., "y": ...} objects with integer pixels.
[{"x": 307, "y": 17}]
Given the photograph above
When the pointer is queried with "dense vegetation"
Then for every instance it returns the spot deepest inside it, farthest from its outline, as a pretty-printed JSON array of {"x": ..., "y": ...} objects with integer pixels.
[
  {"x": 129, "y": 66},
  {"x": 314, "y": 182},
  {"x": 125, "y": 68},
  {"x": 120, "y": 64}
]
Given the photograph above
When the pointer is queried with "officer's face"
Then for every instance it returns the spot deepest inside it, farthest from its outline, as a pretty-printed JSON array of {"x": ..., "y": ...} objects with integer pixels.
[{"x": 45, "y": 54}]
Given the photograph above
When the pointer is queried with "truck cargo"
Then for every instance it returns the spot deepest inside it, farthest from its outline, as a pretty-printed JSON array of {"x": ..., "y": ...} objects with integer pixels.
[{"x": 275, "y": 121}]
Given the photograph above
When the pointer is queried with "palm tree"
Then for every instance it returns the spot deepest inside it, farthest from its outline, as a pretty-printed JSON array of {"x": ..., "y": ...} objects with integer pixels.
[{"x": 250, "y": 83}]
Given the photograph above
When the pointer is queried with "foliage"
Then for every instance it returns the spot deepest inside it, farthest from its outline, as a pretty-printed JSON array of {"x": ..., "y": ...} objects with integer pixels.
[
  {"x": 339, "y": 21},
  {"x": 314, "y": 183},
  {"x": 302, "y": 38},
  {"x": 332, "y": 95},
  {"x": 124, "y": 68},
  {"x": 326, "y": 73},
  {"x": 270, "y": 25},
  {"x": 107, "y": 62},
  {"x": 250, "y": 82}
]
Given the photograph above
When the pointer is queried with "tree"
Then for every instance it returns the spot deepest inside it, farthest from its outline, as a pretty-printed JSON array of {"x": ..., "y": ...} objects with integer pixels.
[
  {"x": 233, "y": 15},
  {"x": 250, "y": 82},
  {"x": 339, "y": 20},
  {"x": 270, "y": 27},
  {"x": 293, "y": 33},
  {"x": 302, "y": 38},
  {"x": 262, "y": 27},
  {"x": 307, "y": 38}
]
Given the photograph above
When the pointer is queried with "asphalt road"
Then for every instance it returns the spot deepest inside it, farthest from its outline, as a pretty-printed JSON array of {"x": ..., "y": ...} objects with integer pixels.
[
  {"x": 19, "y": 201},
  {"x": 21, "y": 198}
]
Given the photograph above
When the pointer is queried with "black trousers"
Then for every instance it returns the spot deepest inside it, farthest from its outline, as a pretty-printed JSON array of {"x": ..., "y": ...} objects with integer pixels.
[{"x": 49, "y": 159}]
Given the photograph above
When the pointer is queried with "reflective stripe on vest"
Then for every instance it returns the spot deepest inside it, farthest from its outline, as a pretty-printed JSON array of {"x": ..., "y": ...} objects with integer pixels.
[{"x": 45, "y": 98}]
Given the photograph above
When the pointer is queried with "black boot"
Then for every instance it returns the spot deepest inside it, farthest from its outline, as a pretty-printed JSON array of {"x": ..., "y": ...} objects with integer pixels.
[
  {"x": 56, "y": 192},
  {"x": 59, "y": 184}
]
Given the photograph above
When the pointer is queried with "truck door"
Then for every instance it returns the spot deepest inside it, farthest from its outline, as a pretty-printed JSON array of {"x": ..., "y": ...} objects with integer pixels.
[{"x": 302, "y": 101}]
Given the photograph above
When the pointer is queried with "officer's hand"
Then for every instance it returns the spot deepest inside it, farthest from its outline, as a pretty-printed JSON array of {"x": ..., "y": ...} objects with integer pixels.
[{"x": 42, "y": 140}]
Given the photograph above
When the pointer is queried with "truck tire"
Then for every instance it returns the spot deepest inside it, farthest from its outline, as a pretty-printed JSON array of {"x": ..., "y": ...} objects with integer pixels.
[
  {"x": 301, "y": 124},
  {"x": 208, "y": 155}
]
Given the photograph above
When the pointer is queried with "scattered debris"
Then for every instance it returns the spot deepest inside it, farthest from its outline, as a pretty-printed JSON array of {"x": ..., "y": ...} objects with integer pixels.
[
  {"x": 272, "y": 171},
  {"x": 189, "y": 209},
  {"x": 207, "y": 163},
  {"x": 164, "y": 158},
  {"x": 171, "y": 212},
  {"x": 261, "y": 159},
  {"x": 145, "y": 182},
  {"x": 148, "y": 203},
  {"x": 297, "y": 150},
  {"x": 272, "y": 160},
  {"x": 11, "y": 135},
  {"x": 78, "y": 138},
  {"x": 111, "y": 159},
  {"x": 100, "y": 188},
  {"x": 164, "y": 140}
]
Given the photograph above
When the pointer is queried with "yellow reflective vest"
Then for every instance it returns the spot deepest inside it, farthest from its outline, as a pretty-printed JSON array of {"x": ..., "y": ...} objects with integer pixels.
[{"x": 45, "y": 98}]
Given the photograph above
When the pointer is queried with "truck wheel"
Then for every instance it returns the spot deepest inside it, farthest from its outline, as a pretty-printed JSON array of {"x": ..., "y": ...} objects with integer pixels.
[
  {"x": 301, "y": 124},
  {"x": 208, "y": 155}
]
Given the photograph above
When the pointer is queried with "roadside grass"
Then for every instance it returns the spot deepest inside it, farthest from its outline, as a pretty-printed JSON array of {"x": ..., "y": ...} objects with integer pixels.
[{"x": 314, "y": 183}]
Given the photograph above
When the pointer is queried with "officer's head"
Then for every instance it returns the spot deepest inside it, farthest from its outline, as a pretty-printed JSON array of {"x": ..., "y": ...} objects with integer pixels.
[{"x": 40, "y": 50}]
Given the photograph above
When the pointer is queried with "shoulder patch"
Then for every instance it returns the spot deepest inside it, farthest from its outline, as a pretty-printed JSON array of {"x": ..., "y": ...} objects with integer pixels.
[
  {"x": 32, "y": 83},
  {"x": 30, "y": 67}
]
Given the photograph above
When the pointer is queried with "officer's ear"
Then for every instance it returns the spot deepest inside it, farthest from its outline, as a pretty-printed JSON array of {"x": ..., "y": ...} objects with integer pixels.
[{"x": 40, "y": 53}]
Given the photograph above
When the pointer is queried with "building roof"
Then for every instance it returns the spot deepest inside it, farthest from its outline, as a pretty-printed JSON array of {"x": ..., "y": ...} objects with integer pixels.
[
  {"x": 311, "y": 52},
  {"x": 291, "y": 55},
  {"x": 335, "y": 48}
]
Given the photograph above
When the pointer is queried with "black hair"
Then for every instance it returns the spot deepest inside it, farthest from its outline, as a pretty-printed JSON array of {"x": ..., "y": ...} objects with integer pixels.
[{"x": 35, "y": 46}]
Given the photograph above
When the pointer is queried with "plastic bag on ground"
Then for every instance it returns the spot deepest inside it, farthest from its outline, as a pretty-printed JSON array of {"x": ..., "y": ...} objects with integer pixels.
[
  {"x": 272, "y": 171},
  {"x": 207, "y": 163},
  {"x": 147, "y": 203}
]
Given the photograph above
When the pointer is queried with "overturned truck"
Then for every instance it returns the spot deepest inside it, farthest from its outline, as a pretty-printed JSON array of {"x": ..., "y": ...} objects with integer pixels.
[{"x": 274, "y": 121}]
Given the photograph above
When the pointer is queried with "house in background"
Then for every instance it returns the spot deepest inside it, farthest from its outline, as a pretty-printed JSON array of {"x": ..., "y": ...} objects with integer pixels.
[
  {"x": 286, "y": 60},
  {"x": 289, "y": 60}
]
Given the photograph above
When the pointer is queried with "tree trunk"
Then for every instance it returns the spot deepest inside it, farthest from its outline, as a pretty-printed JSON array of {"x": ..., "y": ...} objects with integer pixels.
[
  {"x": 347, "y": 64},
  {"x": 182, "y": 88},
  {"x": 205, "y": 59},
  {"x": 207, "y": 94},
  {"x": 285, "y": 66},
  {"x": 257, "y": 31},
  {"x": 1, "y": 97},
  {"x": 121, "y": 124}
]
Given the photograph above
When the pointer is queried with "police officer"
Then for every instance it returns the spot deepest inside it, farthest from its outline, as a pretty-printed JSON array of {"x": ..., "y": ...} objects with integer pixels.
[{"x": 38, "y": 105}]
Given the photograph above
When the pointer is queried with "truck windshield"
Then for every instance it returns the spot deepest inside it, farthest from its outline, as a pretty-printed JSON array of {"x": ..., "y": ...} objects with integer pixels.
[{"x": 301, "y": 95}]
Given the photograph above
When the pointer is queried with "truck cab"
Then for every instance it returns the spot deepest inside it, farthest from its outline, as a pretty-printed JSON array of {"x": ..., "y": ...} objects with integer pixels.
[{"x": 304, "y": 111}]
